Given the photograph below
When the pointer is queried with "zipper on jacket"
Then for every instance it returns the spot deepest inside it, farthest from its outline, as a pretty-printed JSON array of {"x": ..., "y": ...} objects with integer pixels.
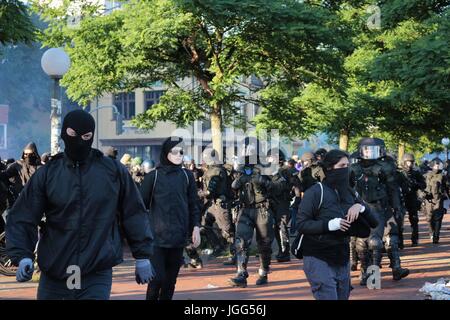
[{"x": 80, "y": 214}]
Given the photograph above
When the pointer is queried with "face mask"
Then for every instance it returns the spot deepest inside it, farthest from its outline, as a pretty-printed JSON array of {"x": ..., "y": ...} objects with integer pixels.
[
  {"x": 338, "y": 177},
  {"x": 81, "y": 122},
  {"x": 248, "y": 171}
]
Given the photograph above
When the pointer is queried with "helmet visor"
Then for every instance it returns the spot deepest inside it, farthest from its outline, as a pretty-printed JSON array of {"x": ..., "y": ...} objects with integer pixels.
[{"x": 370, "y": 152}]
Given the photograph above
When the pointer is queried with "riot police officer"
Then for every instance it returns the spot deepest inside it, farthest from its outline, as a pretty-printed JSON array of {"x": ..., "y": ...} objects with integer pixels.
[
  {"x": 411, "y": 181},
  {"x": 279, "y": 202},
  {"x": 217, "y": 186},
  {"x": 253, "y": 189},
  {"x": 374, "y": 180},
  {"x": 437, "y": 187},
  {"x": 354, "y": 158}
]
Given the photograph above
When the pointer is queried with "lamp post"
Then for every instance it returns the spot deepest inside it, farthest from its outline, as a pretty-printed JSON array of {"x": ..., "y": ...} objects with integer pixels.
[
  {"x": 446, "y": 142},
  {"x": 55, "y": 62}
]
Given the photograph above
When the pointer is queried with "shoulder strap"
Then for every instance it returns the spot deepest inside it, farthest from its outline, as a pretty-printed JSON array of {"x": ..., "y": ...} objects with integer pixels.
[
  {"x": 321, "y": 195},
  {"x": 187, "y": 178},
  {"x": 153, "y": 189}
]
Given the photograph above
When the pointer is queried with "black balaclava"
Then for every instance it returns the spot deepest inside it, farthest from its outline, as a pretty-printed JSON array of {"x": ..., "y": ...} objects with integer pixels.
[
  {"x": 167, "y": 145},
  {"x": 81, "y": 122},
  {"x": 34, "y": 158},
  {"x": 338, "y": 179}
]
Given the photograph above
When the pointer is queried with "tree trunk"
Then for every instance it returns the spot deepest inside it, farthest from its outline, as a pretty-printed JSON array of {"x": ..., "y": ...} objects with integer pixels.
[
  {"x": 343, "y": 139},
  {"x": 401, "y": 152},
  {"x": 216, "y": 132}
]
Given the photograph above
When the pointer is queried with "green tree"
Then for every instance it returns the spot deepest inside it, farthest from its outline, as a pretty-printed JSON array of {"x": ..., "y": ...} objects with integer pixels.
[
  {"x": 15, "y": 23},
  {"x": 219, "y": 43},
  {"x": 410, "y": 72}
]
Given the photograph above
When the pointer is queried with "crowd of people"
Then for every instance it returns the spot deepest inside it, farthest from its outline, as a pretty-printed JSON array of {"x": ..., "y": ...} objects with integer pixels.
[{"x": 345, "y": 211}]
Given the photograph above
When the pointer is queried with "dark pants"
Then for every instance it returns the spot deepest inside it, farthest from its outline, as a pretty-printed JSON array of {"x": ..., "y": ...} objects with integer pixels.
[
  {"x": 167, "y": 263},
  {"x": 224, "y": 221},
  {"x": 94, "y": 286},
  {"x": 249, "y": 220},
  {"x": 434, "y": 214},
  {"x": 413, "y": 206},
  {"x": 385, "y": 234},
  {"x": 327, "y": 282}
]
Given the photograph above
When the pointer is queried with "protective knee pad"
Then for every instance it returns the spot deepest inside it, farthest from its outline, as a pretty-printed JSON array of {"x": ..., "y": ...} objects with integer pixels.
[
  {"x": 375, "y": 244},
  {"x": 361, "y": 245}
]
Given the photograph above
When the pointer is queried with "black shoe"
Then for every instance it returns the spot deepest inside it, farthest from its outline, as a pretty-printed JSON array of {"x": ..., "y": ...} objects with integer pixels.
[
  {"x": 231, "y": 261},
  {"x": 197, "y": 264},
  {"x": 435, "y": 240},
  {"x": 261, "y": 280},
  {"x": 399, "y": 273},
  {"x": 240, "y": 281},
  {"x": 354, "y": 266},
  {"x": 414, "y": 242},
  {"x": 401, "y": 245},
  {"x": 284, "y": 258}
]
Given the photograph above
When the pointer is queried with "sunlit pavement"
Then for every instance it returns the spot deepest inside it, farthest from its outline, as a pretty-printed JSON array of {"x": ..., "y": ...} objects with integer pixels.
[{"x": 427, "y": 262}]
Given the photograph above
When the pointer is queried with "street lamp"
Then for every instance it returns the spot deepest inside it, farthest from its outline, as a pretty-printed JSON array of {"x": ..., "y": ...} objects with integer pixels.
[
  {"x": 446, "y": 142},
  {"x": 55, "y": 62}
]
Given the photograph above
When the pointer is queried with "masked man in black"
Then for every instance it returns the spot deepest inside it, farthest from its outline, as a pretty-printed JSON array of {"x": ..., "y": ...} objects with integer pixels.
[{"x": 85, "y": 197}]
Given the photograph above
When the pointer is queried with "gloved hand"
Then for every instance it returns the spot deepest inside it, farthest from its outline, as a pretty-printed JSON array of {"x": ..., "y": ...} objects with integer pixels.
[
  {"x": 25, "y": 270},
  {"x": 334, "y": 224},
  {"x": 338, "y": 224},
  {"x": 144, "y": 271}
]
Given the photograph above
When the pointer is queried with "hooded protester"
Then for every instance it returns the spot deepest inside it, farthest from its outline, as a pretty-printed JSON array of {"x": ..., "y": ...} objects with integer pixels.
[
  {"x": 170, "y": 193},
  {"x": 327, "y": 212},
  {"x": 20, "y": 172},
  {"x": 81, "y": 238}
]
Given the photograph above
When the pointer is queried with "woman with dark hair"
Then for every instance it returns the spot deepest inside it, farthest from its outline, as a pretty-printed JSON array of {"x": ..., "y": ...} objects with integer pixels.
[
  {"x": 170, "y": 194},
  {"x": 327, "y": 213}
]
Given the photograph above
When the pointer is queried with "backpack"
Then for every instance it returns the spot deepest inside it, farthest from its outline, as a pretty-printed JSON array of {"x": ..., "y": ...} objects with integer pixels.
[{"x": 296, "y": 248}]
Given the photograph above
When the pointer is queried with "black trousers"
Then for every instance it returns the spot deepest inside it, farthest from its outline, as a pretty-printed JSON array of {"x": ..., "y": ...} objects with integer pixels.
[{"x": 167, "y": 263}]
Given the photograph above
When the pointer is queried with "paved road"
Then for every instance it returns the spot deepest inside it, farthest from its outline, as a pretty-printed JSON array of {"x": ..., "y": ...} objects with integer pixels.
[{"x": 427, "y": 262}]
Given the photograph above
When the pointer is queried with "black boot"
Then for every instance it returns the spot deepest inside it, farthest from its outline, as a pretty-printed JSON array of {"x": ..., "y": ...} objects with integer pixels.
[
  {"x": 397, "y": 271},
  {"x": 262, "y": 279},
  {"x": 195, "y": 264},
  {"x": 239, "y": 281},
  {"x": 286, "y": 255}
]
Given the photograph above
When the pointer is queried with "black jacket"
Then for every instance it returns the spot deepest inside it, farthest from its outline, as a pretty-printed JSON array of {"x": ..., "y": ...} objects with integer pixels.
[
  {"x": 174, "y": 211},
  {"x": 83, "y": 205},
  {"x": 331, "y": 246}
]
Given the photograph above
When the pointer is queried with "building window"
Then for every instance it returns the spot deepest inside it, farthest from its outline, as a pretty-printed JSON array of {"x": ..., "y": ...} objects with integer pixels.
[
  {"x": 145, "y": 152},
  {"x": 125, "y": 102},
  {"x": 152, "y": 97}
]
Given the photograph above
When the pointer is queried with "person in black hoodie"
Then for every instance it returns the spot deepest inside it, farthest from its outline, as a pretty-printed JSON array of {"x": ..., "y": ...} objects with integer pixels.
[
  {"x": 86, "y": 198},
  {"x": 170, "y": 193},
  {"x": 325, "y": 218},
  {"x": 20, "y": 172}
]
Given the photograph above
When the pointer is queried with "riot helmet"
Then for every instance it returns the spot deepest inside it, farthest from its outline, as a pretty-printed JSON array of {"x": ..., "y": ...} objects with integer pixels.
[{"x": 371, "y": 148}]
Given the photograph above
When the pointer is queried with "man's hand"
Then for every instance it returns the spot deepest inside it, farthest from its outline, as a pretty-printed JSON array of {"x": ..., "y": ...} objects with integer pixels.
[
  {"x": 353, "y": 212},
  {"x": 25, "y": 270},
  {"x": 196, "y": 239},
  {"x": 144, "y": 271}
]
